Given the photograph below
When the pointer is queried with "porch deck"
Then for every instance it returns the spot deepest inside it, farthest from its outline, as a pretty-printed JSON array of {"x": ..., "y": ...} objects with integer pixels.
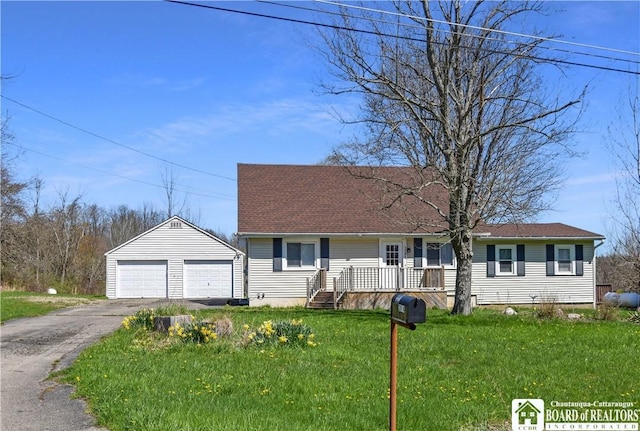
[{"x": 365, "y": 287}]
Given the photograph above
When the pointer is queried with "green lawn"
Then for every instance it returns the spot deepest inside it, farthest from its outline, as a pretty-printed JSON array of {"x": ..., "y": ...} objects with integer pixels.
[
  {"x": 15, "y": 304},
  {"x": 454, "y": 373}
]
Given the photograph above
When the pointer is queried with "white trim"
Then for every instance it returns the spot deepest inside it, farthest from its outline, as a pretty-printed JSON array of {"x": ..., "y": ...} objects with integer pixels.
[
  {"x": 382, "y": 251},
  {"x": 514, "y": 260},
  {"x": 425, "y": 261},
  {"x": 293, "y": 240},
  {"x": 572, "y": 259}
]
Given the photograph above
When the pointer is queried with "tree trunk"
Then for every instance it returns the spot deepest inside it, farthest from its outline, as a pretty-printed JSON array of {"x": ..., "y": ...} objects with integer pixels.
[{"x": 464, "y": 255}]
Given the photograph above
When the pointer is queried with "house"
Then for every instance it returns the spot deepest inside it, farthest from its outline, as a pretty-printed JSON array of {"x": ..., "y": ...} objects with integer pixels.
[
  {"x": 175, "y": 259},
  {"x": 328, "y": 234},
  {"x": 528, "y": 414}
]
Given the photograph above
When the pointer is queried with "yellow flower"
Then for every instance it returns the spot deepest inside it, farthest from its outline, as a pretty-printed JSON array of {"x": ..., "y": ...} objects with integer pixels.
[
  {"x": 282, "y": 339},
  {"x": 300, "y": 336}
]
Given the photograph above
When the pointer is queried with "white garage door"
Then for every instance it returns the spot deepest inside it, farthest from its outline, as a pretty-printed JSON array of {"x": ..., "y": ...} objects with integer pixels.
[
  {"x": 208, "y": 279},
  {"x": 142, "y": 279}
]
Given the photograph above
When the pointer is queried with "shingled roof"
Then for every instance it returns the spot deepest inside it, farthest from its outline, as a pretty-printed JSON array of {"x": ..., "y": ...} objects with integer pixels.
[
  {"x": 325, "y": 199},
  {"x": 536, "y": 230}
]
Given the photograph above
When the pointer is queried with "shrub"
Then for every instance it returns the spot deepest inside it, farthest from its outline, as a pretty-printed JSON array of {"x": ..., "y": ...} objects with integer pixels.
[
  {"x": 198, "y": 332},
  {"x": 548, "y": 307},
  {"x": 607, "y": 311},
  {"x": 224, "y": 327},
  {"x": 142, "y": 319},
  {"x": 280, "y": 333}
]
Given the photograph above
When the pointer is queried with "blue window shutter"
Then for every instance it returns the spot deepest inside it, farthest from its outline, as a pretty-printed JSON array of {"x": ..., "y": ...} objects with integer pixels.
[
  {"x": 550, "y": 259},
  {"x": 579, "y": 259},
  {"x": 324, "y": 253},
  {"x": 277, "y": 254},
  {"x": 520, "y": 257},
  {"x": 417, "y": 252},
  {"x": 491, "y": 260}
]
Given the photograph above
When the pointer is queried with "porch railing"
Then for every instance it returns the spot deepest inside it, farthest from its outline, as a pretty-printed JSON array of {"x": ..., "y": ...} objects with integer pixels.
[
  {"x": 316, "y": 283},
  {"x": 389, "y": 279}
]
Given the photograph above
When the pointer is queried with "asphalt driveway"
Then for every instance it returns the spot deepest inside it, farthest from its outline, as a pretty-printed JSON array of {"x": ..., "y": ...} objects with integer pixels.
[{"x": 32, "y": 348}]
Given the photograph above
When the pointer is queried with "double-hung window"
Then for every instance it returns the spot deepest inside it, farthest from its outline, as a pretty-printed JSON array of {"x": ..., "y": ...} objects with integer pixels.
[
  {"x": 439, "y": 254},
  {"x": 564, "y": 259},
  {"x": 301, "y": 255},
  {"x": 506, "y": 258}
]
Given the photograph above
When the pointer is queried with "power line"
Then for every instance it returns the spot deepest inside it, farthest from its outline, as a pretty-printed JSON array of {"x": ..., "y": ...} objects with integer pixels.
[
  {"x": 111, "y": 141},
  {"x": 220, "y": 195},
  {"x": 376, "y": 33},
  {"x": 415, "y": 26},
  {"x": 510, "y": 33}
]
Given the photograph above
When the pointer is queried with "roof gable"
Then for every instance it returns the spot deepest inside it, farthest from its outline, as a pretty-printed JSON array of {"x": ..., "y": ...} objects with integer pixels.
[{"x": 172, "y": 221}]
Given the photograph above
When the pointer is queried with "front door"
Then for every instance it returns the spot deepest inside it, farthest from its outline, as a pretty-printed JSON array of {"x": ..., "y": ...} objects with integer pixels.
[{"x": 391, "y": 260}]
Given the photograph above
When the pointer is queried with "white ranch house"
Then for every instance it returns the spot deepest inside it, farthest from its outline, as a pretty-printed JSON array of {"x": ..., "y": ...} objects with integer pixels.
[
  {"x": 175, "y": 260},
  {"x": 316, "y": 236}
]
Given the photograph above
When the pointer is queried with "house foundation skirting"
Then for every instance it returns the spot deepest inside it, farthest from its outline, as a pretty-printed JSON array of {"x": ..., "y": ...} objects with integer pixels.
[{"x": 371, "y": 300}]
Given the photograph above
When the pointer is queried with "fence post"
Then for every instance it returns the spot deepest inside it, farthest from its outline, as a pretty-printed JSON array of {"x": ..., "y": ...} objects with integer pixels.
[{"x": 350, "y": 277}]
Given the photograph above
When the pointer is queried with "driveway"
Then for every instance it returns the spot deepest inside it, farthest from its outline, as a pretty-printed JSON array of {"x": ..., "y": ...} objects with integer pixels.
[{"x": 32, "y": 348}]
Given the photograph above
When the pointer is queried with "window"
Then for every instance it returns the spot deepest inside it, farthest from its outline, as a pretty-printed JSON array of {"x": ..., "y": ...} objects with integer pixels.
[
  {"x": 301, "y": 254},
  {"x": 505, "y": 260},
  {"x": 392, "y": 255},
  {"x": 506, "y": 257},
  {"x": 564, "y": 260},
  {"x": 439, "y": 254}
]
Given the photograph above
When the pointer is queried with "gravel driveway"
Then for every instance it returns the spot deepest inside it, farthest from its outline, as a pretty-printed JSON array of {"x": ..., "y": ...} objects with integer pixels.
[{"x": 34, "y": 347}]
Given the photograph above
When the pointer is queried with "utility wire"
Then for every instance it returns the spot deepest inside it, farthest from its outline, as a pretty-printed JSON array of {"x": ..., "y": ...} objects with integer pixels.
[
  {"x": 375, "y": 33},
  {"x": 111, "y": 141},
  {"x": 221, "y": 196},
  {"x": 510, "y": 33},
  {"x": 416, "y": 26}
]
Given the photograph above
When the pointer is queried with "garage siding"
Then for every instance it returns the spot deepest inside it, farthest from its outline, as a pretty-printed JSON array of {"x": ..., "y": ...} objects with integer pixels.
[{"x": 175, "y": 245}]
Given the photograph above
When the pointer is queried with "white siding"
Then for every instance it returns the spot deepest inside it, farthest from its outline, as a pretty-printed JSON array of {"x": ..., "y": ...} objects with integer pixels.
[
  {"x": 175, "y": 245},
  {"x": 291, "y": 284},
  {"x": 535, "y": 283},
  {"x": 365, "y": 252}
]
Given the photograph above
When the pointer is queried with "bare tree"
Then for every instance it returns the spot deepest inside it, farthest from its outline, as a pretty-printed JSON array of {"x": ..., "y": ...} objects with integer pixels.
[
  {"x": 12, "y": 208},
  {"x": 445, "y": 92},
  {"x": 624, "y": 143},
  {"x": 176, "y": 205}
]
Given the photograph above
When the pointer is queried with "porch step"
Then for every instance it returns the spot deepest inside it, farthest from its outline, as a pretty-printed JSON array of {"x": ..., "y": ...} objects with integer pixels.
[{"x": 322, "y": 300}]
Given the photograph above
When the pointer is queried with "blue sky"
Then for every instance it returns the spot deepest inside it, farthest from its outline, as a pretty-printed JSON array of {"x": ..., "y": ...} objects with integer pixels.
[{"x": 207, "y": 89}]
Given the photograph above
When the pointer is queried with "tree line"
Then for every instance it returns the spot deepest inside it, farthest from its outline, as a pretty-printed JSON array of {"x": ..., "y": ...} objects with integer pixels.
[{"x": 61, "y": 244}]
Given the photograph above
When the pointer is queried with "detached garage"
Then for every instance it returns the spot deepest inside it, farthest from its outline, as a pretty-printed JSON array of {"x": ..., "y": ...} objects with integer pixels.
[{"x": 175, "y": 260}]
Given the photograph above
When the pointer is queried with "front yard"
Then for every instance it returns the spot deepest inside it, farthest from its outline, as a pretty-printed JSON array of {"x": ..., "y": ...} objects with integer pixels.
[{"x": 454, "y": 372}]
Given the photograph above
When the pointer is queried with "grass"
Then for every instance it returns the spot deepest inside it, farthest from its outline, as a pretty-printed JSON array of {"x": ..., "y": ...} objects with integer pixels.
[
  {"x": 454, "y": 372},
  {"x": 15, "y": 304}
]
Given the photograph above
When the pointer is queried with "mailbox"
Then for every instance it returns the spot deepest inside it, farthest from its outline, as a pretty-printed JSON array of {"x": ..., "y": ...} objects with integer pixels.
[{"x": 407, "y": 309}]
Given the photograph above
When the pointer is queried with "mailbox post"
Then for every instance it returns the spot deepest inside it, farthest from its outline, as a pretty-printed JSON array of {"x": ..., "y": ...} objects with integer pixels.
[{"x": 406, "y": 311}]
